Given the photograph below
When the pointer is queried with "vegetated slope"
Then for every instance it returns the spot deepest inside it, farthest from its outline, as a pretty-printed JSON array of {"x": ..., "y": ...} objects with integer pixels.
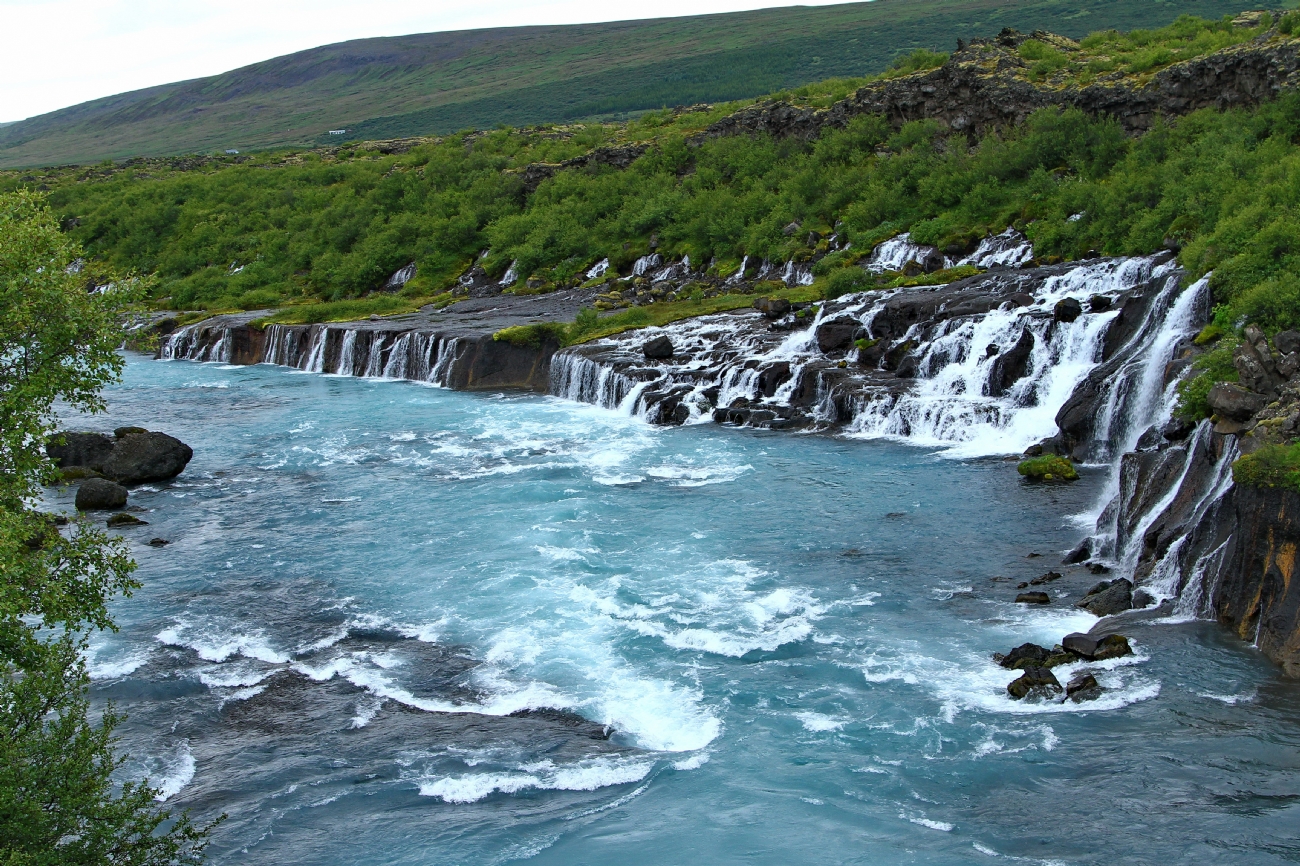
[
  {"x": 331, "y": 226},
  {"x": 443, "y": 82}
]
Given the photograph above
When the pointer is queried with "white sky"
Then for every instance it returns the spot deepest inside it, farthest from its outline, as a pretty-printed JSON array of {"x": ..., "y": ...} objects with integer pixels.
[{"x": 56, "y": 53}]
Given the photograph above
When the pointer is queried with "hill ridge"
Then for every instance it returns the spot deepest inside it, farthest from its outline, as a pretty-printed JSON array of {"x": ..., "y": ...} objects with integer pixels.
[{"x": 443, "y": 82}]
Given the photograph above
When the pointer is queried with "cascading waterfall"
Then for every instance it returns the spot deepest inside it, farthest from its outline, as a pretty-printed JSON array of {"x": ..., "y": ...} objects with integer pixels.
[
  {"x": 576, "y": 378},
  {"x": 951, "y": 404}
]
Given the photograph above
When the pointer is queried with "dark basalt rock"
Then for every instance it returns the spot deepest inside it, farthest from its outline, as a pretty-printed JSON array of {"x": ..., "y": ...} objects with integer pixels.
[
  {"x": 1067, "y": 310},
  {"x": 1235, "y": 402},
  {"x": 88, "y": 450},
  {"x": 1108, "y": 597},
  {"x": 100, "y": 494},
  {"x": 1045, "y": 578},
  {"x": 131, "y": 456},
  {"x": 1287, "y": 342},
  {"x": 124, "y": 519},
  {"x": 1083, "y": 687},
  {"x": 1081, "y": 552},
  {"x": 1011, "y": 366},
  {"x": 1033, "y": 598},
  {"x": 1099, "y": 648},
  {"x": 836, "y": 335},
  {"x": 1025, "y": 655},
  {"x": 658, "y": 349},
  {"x": 143, "y": 456},
  {"x": 158, "y": 542},
  {"x": 1142, "y": 598},
  {"x": 1035, "y": 683}
]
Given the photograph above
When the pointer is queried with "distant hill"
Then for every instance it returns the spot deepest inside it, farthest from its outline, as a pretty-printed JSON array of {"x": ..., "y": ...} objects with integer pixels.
[{"x": 443, "y": 82}]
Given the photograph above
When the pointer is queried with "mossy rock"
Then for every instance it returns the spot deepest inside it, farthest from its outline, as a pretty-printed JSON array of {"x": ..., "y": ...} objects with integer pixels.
[
  {"x": 77, "y": 473},
  {"x": 1048, "y": 467}
]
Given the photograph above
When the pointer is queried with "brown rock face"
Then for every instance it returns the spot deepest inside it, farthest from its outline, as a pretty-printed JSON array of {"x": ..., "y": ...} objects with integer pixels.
[{"x": 1256, "y": 597}]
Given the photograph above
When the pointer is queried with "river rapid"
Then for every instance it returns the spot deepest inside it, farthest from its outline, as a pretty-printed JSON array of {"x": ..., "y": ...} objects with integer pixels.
[{"x": 768, "y": 648}]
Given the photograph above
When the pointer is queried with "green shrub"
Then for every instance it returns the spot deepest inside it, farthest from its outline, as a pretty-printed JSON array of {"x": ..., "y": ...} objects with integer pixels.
[
  {"x": 1048, "y": 467},
  {"x": 1270, "y": 466},
  {"x": 1211, "y": 368},
  {"x": 846, "y": 281}
]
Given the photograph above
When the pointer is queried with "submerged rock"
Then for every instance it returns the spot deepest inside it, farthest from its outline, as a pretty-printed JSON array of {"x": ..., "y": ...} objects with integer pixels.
[
  {"x": 100, "y": 494},
  {"x": 158, "y": 542},
  {"x": 124, "y": 519},
  {"x": 1108, "y": 597},
  {"x": 1033, "y": 598},
  {"x": 1035, "y": 683}
]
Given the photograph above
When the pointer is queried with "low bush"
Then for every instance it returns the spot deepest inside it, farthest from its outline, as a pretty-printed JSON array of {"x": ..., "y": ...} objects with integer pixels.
[
  {"x": 1048, "y": 467},
  {"x": 1270, "y": 466}
]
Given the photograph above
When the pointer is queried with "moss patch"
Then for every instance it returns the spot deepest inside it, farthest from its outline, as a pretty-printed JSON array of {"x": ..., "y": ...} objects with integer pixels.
[{"x": 1049, "y": 467}]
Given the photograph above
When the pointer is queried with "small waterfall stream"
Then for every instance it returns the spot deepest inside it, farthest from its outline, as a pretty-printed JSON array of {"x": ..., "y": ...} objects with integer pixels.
[{"x": 338, "y": 351}]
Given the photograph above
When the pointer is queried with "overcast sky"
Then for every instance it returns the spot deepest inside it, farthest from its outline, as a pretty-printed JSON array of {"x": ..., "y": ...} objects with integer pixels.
[{"x": 58, "y": 53}]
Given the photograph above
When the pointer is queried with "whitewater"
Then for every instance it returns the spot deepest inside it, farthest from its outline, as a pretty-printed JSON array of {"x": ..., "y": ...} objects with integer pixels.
[{"x": 400, "y": 624}]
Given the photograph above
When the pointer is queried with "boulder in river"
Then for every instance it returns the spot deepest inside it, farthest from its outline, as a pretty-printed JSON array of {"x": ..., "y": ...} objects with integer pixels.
[
  {"x": 1108, "y": 597},
  {"x": 83, "y": 450},
  {"x": 1083, "y": 686},
  {"x": 1067, "y": 310},
  {"x": 131, "y": 456},
  {"x": 836, "y": 335},
  {"x": 143, "y": 456},
  {"x": 100, "y": 494},
  {"x": 1033, "y": 598},
  {"x": 1108, "y": 646},
  {"x": 1035, "y": 682},
  {"x": 124, "y": 519},
  {"x": 772, "y": 308},
  {"x": 658, "y": 349},
  {"x": 1023, "y": 656}
]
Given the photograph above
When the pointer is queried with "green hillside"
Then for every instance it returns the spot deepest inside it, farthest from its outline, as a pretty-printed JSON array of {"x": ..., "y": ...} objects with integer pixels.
[{"x": 442, "y": 82}]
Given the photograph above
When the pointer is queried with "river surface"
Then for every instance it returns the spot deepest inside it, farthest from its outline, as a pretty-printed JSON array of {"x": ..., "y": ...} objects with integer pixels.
[{"x": 789, "y": 637}]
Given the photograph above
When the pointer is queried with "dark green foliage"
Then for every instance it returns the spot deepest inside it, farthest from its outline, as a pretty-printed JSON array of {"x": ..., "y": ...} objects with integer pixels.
[
  {"x": 1212, "y": 367},
  {"x": 58, "y": 805},
  {"x": 1270, "y": 466},
  {"x": 1048, "y": 467}
]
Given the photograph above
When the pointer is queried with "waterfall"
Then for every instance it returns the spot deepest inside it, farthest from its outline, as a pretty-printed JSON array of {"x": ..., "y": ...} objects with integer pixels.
[
  {"x": 576, "y": 378},
  {"x": 896, "y": 253},
  {"x": 954, "y": 403},
  {"x": 1010, "y": 249},
  {"x": 1136, "y": 395}
]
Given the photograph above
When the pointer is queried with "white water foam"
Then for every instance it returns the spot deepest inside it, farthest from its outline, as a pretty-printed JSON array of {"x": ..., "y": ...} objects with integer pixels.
[{"x": 587, "y": 775}]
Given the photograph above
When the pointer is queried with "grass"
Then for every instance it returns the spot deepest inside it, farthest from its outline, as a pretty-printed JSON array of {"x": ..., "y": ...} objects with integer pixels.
[
  {"x": 443, "y": 82},
  {"x": 350, "y": 311},
  {"x": 1270, "y": 466}
]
